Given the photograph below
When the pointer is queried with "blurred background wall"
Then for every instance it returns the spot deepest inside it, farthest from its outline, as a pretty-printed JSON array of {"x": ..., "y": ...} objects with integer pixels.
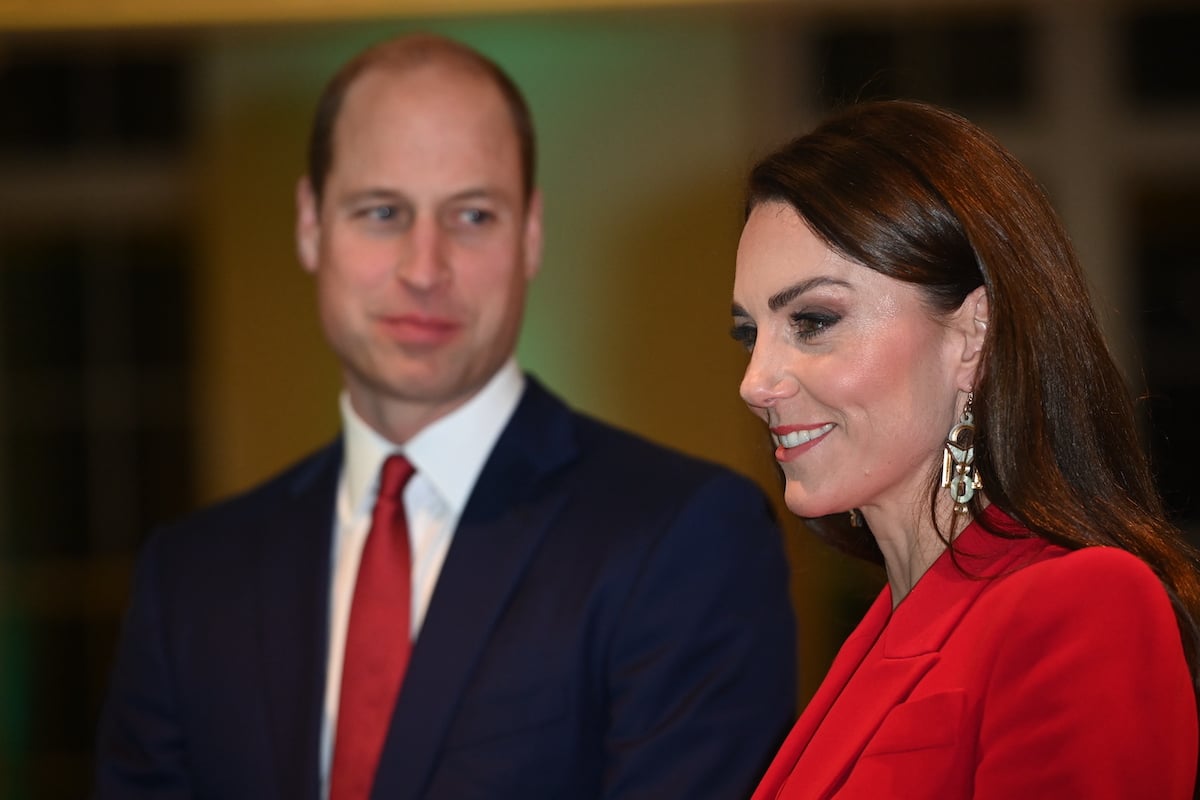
[{"x": 158, "y": 343}]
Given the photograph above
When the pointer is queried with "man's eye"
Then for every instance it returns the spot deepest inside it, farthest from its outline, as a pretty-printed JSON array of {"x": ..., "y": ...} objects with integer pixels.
[
  {"x": 476, "y": 216},
  {"x": 387, "y": 214}
]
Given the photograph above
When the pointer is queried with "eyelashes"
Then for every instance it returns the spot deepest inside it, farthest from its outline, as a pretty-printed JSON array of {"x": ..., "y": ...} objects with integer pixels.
[
  {"x": 807, "y": 325},
  {"x": 744, "y": 334}
]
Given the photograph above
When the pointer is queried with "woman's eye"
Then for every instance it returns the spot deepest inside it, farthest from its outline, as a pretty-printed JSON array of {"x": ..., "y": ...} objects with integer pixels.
[
  {"x": 809, "y": 324},
  {"x": 744, "y": 334}
]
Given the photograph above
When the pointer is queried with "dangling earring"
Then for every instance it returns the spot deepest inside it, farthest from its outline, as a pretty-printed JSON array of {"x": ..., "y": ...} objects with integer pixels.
[
  {"x": 855, "y": 518},
  {"x": 958, "y": 460}
]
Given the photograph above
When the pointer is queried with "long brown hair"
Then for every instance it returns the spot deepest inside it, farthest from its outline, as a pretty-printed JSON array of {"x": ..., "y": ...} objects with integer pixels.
[{"x": 924, "y": 196}]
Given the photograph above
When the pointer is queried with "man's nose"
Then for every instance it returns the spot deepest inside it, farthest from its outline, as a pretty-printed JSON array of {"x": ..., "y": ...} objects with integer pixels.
[{"x": 424, "y": 264}]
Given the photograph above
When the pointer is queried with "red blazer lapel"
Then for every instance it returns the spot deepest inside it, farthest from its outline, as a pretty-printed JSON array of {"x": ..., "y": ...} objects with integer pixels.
[
  {"x": 851, "y": 654},
  {"x": 871, "y": 680},
  {"x": 868, "y": 683}
]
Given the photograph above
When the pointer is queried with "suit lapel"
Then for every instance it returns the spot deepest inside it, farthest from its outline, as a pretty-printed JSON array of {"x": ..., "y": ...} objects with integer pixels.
[
  {"x": 822, "y": 772},
  {"x": 867, "y": 681},
  {"x": 293, "y": 612},
  {"x": 848, "y": 659},
  {"x": 889, "y": 670},
  {"x": 501, "y": 527},
  {"x": 912, "y": 641}
]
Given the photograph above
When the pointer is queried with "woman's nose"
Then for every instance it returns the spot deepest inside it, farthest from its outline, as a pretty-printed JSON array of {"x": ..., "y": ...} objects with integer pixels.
[{"x": 767, "y": 379}]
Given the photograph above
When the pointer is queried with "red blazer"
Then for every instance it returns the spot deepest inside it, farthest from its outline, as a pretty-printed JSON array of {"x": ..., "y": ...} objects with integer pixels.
[{"x": 1049, "y": 674}]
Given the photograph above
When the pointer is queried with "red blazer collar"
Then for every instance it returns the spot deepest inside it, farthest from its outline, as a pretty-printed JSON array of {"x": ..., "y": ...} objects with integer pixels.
[{"x": 924, "y": 619}]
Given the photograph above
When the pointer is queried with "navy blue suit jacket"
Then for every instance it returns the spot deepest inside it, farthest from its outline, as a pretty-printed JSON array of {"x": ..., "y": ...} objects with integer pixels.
[{"x": 612, "y": 620}]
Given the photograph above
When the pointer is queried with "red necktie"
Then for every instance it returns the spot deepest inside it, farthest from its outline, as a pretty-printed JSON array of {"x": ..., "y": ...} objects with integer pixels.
[{"x": 378, "y": 640}]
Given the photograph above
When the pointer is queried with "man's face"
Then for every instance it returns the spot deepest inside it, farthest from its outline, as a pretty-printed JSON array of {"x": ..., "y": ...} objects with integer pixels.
[{"x": 422, "y": 244}]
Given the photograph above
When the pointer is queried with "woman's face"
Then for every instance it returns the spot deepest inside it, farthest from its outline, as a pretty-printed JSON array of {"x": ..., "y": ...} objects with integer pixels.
[{"x": 855, "y": 376}]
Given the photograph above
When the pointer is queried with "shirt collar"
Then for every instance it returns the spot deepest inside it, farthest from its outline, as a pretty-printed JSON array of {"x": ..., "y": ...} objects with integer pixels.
[{"x": 449, "y": 453}]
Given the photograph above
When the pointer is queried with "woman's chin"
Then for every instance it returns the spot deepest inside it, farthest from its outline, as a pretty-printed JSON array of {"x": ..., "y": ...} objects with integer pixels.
[{"x": 804, "y": 505}]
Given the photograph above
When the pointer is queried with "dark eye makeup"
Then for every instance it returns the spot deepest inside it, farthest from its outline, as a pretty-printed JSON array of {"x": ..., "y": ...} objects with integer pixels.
[
  {"x": 744, "y": 334},
  {"x": 808, "y": 324}
]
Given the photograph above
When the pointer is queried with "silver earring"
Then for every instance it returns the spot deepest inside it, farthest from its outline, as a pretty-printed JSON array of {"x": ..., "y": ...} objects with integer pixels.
[
  {"x": 855, "y": 518},
  {"x": 958, "y": 460}
]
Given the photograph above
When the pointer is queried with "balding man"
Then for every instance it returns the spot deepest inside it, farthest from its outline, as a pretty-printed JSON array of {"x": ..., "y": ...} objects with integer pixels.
[{"x": 474, "y": 592}]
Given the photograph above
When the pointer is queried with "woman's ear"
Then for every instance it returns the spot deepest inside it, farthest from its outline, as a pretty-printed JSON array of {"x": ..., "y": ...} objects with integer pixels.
[{"x": 971, "y": 320}]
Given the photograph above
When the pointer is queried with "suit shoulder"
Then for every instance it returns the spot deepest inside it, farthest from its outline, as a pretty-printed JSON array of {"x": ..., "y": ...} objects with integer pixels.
[
  {"x": 644, "y": 458},
  {"x": 596, "y": 447},
  {"x": 242, "y": 510}
]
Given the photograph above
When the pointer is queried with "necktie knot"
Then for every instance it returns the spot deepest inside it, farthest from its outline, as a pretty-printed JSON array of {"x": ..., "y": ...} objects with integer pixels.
[{"x": 394, "y": 476}]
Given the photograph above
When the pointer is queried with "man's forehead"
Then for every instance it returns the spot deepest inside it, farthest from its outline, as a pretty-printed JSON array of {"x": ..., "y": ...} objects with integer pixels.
[
  {"x": 450, "y": 115},
  {"x": 431, "y": 93},
  {"x": 451, "y": 76}
]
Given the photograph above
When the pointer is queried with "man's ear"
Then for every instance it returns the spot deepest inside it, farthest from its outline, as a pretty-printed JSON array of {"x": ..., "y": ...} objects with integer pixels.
[
  {"x": 533, "y": 235},
  {"x": 308, "y": 225},
  {"x": 971, "y": 320}
]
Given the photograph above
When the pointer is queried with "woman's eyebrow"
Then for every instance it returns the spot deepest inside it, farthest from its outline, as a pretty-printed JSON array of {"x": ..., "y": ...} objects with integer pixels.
[{"x": 782, "y": 298}]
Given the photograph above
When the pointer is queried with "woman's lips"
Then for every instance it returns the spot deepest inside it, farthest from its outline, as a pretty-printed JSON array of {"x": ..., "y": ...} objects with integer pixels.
[{"x": 792, "y": 441}]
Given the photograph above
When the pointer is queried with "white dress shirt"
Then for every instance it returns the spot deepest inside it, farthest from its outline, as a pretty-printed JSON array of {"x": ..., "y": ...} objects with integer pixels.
[{"x": 448, "y": 456}]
